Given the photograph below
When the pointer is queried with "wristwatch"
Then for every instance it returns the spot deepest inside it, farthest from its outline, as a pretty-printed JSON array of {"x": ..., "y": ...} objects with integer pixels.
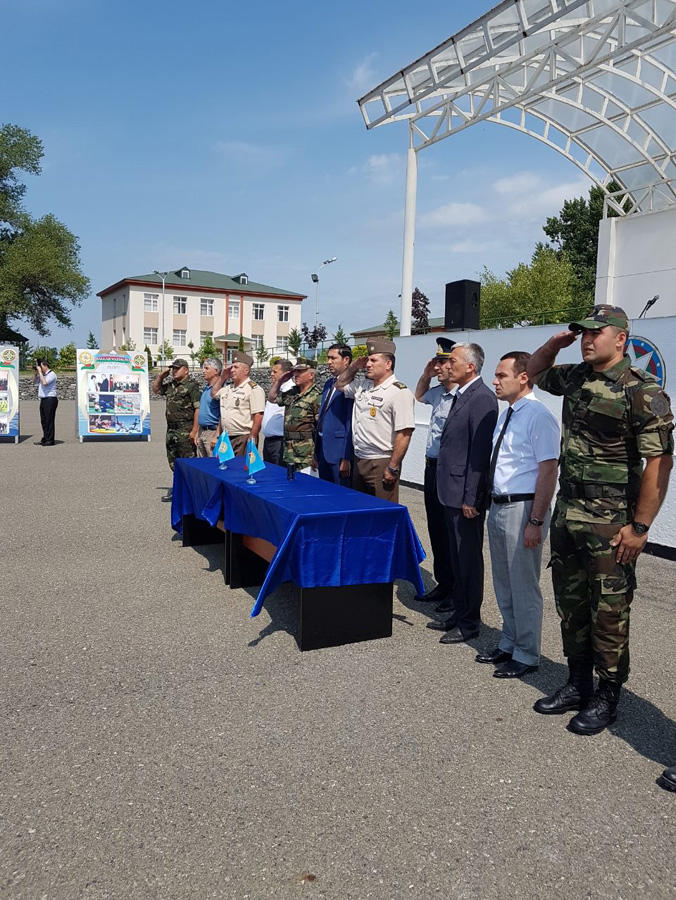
[
  {"x": 393, "y": 470},
  {"x": 537, "y": 522},
  {"x": 640, "y": 527}
]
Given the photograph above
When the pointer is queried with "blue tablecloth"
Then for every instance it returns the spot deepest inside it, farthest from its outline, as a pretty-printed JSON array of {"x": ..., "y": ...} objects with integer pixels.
[{"x": 326, "y": 535}]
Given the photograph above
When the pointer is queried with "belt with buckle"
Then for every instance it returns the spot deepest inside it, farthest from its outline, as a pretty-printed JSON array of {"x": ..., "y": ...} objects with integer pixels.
[
  {"x": 511, "y": 498},
  {"x": 209, "y": 427}
]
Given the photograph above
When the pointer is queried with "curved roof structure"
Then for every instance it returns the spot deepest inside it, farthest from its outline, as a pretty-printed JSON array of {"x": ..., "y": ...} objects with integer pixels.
[{"x": 593, "y": 79}]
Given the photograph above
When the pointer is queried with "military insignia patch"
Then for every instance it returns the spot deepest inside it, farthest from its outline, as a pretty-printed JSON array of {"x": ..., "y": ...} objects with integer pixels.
[
  {"x": 659, "y": 405},
  {"x": 372, "y": 411}
]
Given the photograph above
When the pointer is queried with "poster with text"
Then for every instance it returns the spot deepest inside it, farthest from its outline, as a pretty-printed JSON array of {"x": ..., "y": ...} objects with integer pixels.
[
  {"x": 9, "y": 391},
  {"x": 113, "y": 399}
]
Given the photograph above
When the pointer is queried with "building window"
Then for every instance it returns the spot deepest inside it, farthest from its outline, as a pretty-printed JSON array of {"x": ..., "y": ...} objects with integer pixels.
[
  {"x": 204, "y": 335},
  {"x": 282, "y": 313},
  {"x": 180, "y": 304},
  {"x": 257, "y": 341},
  {"x": 282, "y": 344},
  {"x": 258, "y": 311},
  {"x": 206, "y": 307},
  {"x": 179, "y": 339},
  {"x": 150, "y": 302},
  {"x": 150, "y": 336},
  {"x": 185, "y": 273},
  {"x": 233, "y": 309}
]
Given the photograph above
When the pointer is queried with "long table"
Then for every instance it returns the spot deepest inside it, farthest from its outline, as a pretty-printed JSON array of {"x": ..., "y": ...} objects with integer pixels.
[{"x": 341, "y": 548}]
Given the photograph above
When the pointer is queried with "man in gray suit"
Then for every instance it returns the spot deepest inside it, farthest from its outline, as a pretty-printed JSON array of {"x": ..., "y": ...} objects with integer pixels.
[{"x": 462, "y": 485}]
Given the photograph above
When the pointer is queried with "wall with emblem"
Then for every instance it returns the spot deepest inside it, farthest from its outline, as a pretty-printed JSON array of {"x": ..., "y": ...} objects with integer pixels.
[
  {"x": 652, "y": 347},
  {"x": 9, "y": 393},
  {"x": 112, "y": 394}
]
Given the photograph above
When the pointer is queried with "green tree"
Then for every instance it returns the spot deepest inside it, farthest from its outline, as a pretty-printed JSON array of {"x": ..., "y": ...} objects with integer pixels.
[
  {"x": 147, "y": 352},
  {"x": 165, "y": 352},
  {"x": 295, "y": 340},
  {"x": 391, "y": 325},
  {"x": 91, "y": 342},
  {"x": 40, "y": 277},
  {"x": 208, "y": 350},
  {"x": 420, "y": 312},
  {"x": 193, "y": 353},
  {"x": 240, "y": 343},
  {"x": 340, "y": 337},
  {"x": 67, "y": 356},
  {"x": 50, "y": 355},
  {"x": 262, "y": 355}
]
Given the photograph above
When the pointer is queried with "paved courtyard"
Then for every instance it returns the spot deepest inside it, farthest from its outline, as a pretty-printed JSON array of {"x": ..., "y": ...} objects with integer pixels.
[{"x": 157, "y": 742}]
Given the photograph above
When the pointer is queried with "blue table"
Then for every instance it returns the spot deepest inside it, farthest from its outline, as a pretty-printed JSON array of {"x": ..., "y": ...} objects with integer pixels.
[{"x": 324, "y": 536}]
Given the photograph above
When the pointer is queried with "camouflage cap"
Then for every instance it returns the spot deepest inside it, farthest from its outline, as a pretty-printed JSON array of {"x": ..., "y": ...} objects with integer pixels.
[
  {"x": 444, "y": 347},
  {"x": 600, "y": 316},
  {"x": 179, "y": 363},
  {"x": 303, "y": 364},
  {"x": 238, "y": 356},
  {"x": 381, "y": 345}
]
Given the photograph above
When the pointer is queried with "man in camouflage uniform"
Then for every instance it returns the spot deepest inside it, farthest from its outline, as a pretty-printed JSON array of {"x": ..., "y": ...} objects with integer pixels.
[
  {"x": 300, "y": 414},
  {"x": 183, "y": 402},
  {"x": 613, "y": 414}
]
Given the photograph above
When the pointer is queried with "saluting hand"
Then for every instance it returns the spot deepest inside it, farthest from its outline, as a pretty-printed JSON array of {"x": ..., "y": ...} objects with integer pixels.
[{"x": 562, "y": 339}]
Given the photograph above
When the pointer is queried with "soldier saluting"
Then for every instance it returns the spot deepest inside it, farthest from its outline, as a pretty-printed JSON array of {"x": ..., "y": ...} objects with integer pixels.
[
  {"x": 301, "y": 409},
  {"x": 613, "y": 415}
]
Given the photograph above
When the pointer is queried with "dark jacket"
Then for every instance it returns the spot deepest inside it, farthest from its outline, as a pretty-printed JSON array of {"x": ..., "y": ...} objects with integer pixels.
[
  {"x": 334, "y": 421},
  {"x": 466, "y": 444}
]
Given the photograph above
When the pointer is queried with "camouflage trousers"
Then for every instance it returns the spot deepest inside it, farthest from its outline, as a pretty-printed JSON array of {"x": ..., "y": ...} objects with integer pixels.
[
  {"x": 179, "y": 445},
  {"x": 299, "y": 452},
  {"x": 593, "y": 594}
]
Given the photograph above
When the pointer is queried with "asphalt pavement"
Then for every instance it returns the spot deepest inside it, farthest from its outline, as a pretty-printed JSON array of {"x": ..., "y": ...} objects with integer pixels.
[{"x": 158, "y": 742}]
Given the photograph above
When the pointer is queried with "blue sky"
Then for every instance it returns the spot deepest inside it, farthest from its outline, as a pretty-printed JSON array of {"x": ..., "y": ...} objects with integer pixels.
[{"x": 226, "y": 136}]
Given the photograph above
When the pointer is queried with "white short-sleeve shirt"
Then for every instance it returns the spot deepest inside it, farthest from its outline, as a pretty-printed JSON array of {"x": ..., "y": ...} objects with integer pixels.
[{"x": 532, "y": 437}]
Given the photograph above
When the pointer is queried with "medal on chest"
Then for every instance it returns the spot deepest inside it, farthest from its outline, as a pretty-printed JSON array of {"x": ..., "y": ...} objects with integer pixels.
[{"x": 372, "y": 411}]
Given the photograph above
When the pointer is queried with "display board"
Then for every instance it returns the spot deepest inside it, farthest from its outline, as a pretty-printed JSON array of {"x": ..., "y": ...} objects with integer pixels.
[
  {"x": 112, "y": 394},
  {"x": 9, "y": 393}
]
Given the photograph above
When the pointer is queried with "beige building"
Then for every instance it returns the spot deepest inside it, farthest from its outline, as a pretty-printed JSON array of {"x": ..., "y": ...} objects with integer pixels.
[{"x": 190, "y": 304}]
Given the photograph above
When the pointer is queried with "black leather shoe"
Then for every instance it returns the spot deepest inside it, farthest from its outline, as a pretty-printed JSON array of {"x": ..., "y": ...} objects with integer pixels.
[
  {"x": 443, "y": 625},
  {"x": 513, "y": 669},
  {"x": 167, "y": 497},
  {"x": 444, "y": 609},
  {"x": 564, "y": 700},
  {"x": 494, "y": 656},
  {"x": 455, "y": 636},
  {"x": 48, "y": 444},
  {"x": 667, "y": 779},
  {"x": 431, "y": 596}
]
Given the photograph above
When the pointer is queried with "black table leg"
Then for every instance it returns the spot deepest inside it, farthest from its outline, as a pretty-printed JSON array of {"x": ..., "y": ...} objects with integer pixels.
[
  {"x": 199, "y": 531},
  {"x": 330, "y": 616}
]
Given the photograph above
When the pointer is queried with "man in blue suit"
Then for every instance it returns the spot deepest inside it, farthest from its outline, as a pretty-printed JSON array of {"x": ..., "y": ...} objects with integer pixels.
[
  {"x": 333, "y": 441},
  {"x": 462, "y": 485}
]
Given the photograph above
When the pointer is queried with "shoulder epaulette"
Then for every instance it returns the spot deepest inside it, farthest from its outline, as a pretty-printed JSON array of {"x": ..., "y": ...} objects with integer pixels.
[
  {"x": 400, "y": 385},
  {"x": 641, "y": 374},
  {"x": 251, "y": 383}
]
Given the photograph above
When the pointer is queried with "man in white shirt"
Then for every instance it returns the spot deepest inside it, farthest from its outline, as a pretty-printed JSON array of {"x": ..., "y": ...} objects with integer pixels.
[
  {"x": 383, "y": 420},
  {"x": 522, "y": 477},
  {"x": 273, "y": 417},
  {"x": 46, "y": 382}
]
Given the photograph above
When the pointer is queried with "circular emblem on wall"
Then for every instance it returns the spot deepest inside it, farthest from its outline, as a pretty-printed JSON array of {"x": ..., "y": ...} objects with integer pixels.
[
  {"x": 86, "y": 358},
  {"x": 140, "y": 360},
  {"x": 8, "y": 355},
  {"x": 645, "y": 355}
]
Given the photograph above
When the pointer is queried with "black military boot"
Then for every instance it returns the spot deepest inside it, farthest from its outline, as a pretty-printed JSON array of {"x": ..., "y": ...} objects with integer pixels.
[
  {"x": 573, "y": 695},
  {"x": 600, "y": 711}
]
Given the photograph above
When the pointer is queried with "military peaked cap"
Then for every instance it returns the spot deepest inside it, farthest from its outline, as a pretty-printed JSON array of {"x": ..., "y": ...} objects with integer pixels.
[
  {"x": 444, "y": 347},
  {"x": 238, "y": 356},
  {"x": 381, "y": 345},
  {"x": 179, "y": 363},
  {"x": 601, "y": 316}
]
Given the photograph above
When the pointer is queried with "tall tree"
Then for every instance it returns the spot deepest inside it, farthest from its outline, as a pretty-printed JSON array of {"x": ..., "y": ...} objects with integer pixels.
[
  {"x": 40, "y": 276},
  {"x": 340, "y": 337},
  {"x": 391, "y": 325},
  {"x": 314, "y": 336},
  {"x": 295, "y": 340},
  {"x": 420, "y": 312},
  {"x": 91, "y": 341},
  {"x": 208, "y": 349}
]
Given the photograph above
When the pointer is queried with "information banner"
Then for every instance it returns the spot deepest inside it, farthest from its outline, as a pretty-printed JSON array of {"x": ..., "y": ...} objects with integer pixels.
[
  {"x": 9, "y": 392},
  {"x": 112, "y": 393}
]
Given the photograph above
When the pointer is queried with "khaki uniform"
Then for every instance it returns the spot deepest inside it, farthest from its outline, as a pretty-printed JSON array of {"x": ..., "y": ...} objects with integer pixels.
[
  {"x": 379, "y": 412},
  {"x": 611, "y": 420},
  {"x": 239, "y": 404}
]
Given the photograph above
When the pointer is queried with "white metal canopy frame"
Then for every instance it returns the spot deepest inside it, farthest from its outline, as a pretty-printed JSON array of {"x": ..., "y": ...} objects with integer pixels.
[{"x": 593, "y": 79}]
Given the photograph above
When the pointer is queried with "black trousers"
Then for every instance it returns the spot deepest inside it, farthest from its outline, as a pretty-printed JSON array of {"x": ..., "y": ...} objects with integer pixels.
[
  {"x": 465, "y": 546},
  {"x": 273, "y": 450},
  {"x": 436, "y": 526},
  {"x": 47, "y": 415}
]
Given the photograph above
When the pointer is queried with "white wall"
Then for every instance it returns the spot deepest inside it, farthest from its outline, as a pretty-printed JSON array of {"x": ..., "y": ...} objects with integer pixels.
[
  {"x": 413, "y": 352},
  {"x": 636, "y": 260}
]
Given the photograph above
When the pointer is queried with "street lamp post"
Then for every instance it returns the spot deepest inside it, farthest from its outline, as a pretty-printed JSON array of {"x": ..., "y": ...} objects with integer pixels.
[
  {"x": 163, "y": 276},
  {"x": 315, "y": 279}
]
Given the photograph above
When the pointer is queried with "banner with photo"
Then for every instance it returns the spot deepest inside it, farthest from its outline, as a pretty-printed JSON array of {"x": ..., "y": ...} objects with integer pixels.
[
  {"x": 113, "y": 399},
  {"x": 9, "y": 392}
]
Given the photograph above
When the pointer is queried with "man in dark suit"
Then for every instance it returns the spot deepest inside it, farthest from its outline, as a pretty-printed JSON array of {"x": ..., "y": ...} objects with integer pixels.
[
  {"x": 333, "y": 441},
  {"x": 462, "y": 485}
]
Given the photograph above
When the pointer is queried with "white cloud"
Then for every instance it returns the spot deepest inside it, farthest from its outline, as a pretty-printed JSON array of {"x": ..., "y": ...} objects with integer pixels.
[
  {"x": 530, "y": 196},
  {"x": 453, "y": 215},
  {"x": 381, "y": 168},
  {"x": 470, "y": 246},
  {"x": 363, "y": 76},
  {"x": 517, "y": 183}
]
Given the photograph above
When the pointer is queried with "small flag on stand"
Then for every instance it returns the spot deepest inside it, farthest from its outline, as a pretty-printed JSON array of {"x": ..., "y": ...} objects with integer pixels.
[
  {"x": 223, "y": 449},
  {"x": 253, "y": 462}
]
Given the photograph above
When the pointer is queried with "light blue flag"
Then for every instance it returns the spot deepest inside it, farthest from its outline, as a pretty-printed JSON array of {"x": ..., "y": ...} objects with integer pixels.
[
  {"x": 223, "y": 449},
  {"x": 253, "y": 458}
]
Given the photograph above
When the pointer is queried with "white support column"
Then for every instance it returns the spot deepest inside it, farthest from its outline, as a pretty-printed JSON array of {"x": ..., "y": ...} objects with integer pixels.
[{"x": 409, "y": 240}]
